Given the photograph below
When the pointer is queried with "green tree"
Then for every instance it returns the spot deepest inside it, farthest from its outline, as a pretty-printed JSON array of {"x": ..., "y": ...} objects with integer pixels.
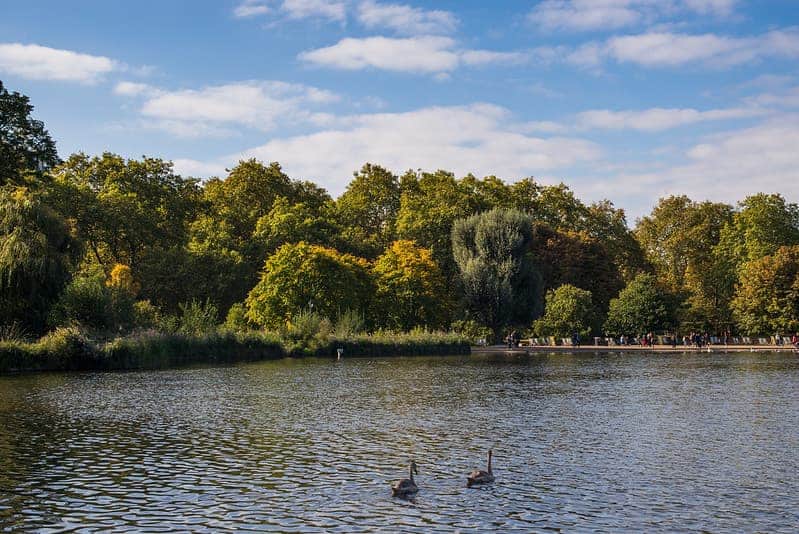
[
  {"x": 568, "y": 309},
  {"x": 367, "y": 210},
  {"x": 499, "y": 280},
  {"x": 26, "y": 149},
  {"x": 38, "y": 253},
  {"x": 292, "y": 223},
  {"x": 411, "y": 291},
  {"x": 643, "y": 306},
  {"x": 430, "y": 205},
  {"x": 300, "y": 276},
  {"x": 125, "y": 209},
  {"x": 767, "y": 297},
  {"x": 565, "y": 257}
]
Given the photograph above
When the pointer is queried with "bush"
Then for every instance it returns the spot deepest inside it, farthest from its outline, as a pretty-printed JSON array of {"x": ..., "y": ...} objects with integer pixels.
[
  {"x": 236, "y": 320},
  {"x": 197, "y": 318},
  {"x": 473, "y": 331},
  {"x": 90, "y": 302},
  {"x": 568, "y": 309},
  {"x": 349, "y": 323}
]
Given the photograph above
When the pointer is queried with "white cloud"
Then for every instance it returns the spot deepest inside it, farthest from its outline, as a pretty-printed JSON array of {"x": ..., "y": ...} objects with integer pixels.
[
  {"x": 294, "y": 9},
  {"x": 657, "y": 119},
  {"x": 604, "y": 15},
  {"x": 725, "y": 167},
  {"x": 479, "y": 138},
  {"x": 43, "y": 63},
  {"x": 214, "y": 110},
  {"x": 126, "y": 88},
  {"x": 674, "y": 49},
  {"x": 427, "y": 54},
  {"x": 251, "y": 8},
  {"x": 405, "y": 19},
  {"x": 325, "y": 9}
]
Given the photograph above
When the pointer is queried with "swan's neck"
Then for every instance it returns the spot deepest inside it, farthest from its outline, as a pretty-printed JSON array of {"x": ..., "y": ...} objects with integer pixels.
[
  {"x": 489, "y": 464},
  {"x": 410, "y": 470}
]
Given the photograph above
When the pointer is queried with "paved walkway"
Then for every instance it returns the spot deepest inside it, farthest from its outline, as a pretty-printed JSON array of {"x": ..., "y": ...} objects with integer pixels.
[{"x": 503, "y": 349}]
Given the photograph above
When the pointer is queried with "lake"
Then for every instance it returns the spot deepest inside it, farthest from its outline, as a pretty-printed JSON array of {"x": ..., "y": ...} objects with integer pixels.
[{"x": 695, "y": 442}]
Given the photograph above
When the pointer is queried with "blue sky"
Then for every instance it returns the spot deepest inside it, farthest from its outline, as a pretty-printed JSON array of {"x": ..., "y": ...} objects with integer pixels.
[{"x": 629, "y": 100}]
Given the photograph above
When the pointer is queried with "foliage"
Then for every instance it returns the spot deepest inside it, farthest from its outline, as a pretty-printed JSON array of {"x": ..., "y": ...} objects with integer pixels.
[
  {"x": 575, "y": 258},
  {"x": 642, "y": 306},
  {"x": 91, "y": 302},
  {"x": 299, "y": 276},
  {"x": 472, "y": 330},
  {"x": 26, "y": 148},
  {"x": 568, "y": 309},
  {"x": 349, "y": 323},
  {"x": 292, "y": 223},
  {"x": 767, "y": 297},
  {"x": 367, "y": 210},
  {"x": 38, "y": 252},
  {"x": 197, "y": 318},
  {"x": 411, "y": 291},
  {"x": 236, "y": 320},
  {"x": 499, "y": 280},
  {"x": 125, "y": 209}
]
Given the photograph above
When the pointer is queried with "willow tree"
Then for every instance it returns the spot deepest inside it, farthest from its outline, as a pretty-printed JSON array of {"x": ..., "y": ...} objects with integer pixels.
[
  {"x": 37, "y": 254},
  {"x": 500, "y": 282}
]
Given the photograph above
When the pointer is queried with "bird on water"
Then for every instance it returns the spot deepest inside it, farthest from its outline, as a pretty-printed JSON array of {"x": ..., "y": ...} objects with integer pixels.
[
  {"x": 406, "y": 487},
  {"x": 478, "y": 476}
]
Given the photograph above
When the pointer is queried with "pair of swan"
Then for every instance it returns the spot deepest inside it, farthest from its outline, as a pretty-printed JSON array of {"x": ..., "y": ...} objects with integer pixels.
[{"x": 407, "y": 487}]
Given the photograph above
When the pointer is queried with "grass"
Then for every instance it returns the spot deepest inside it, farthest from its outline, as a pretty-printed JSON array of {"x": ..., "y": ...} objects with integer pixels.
[{"x": 69, "y": 349}]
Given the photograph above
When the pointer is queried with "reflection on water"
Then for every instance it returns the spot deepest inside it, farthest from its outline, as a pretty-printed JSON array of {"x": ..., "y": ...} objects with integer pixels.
[{"x": 619, "y": 442}]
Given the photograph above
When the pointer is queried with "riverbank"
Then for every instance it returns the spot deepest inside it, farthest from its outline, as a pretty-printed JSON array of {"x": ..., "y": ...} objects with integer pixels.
[
  {"x": 605, "y": 349},
  {"x": 67, "y": 349}
]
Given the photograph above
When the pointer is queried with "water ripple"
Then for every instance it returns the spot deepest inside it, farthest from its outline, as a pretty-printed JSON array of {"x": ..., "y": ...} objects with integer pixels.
[{"x": 602, "y": 443}]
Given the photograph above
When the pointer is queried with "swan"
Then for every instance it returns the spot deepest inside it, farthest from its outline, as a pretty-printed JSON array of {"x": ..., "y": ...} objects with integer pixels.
[
  {"x": 479, "y": 476},
  {"x": 406, "y": 486}
]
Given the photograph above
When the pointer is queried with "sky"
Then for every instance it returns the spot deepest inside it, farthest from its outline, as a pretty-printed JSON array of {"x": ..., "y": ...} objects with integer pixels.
[{"x": 629, "y": 100}]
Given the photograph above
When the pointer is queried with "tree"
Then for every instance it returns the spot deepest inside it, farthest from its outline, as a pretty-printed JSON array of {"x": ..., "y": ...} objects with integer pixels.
[
  {"x": 767, "y": 297},
  {"x": 125, "y": 209},
  {"x": 367, "y": 210},
  {"x": 302, "y": 276},
  {"x": 643, "y": 306},
  {"x": 25, "y": 146},
  {"x": 499, "y": 280},
  {"x": 411, "y": 291},
  {"x": 564, "y": 257},
  {"x": 568, "y": 309},
  {"x": 292, "y": 223},
  {"x": 430, "y": 205},
  {"x": 38, "y": 253},
  {"x": 761, "y": 225}
]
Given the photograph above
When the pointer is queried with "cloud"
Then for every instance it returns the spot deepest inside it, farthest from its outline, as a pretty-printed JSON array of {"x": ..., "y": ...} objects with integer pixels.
[
  {"x": 724, "y": 167},
  {"x": 479, "y": 138},
  {"x": 427, "y": 54},
  {"x": 657, "y": 119},
  {"x": 36, "y": 62},
  {"x": 606, "y": 15},
  {"x": 325, "y": 9},
  {"x": 663, "y": 49},
  {"x": 251, "y": 8},
  {"x": 405, "y": 19},
  {"x": 214, "y": 110},
  {"x": 134, "y": 89},
  {"x": 294, "y": 9}
]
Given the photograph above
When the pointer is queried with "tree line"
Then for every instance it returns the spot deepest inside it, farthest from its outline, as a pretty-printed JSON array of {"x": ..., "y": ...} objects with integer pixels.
[{"x": 115, "y": 244}]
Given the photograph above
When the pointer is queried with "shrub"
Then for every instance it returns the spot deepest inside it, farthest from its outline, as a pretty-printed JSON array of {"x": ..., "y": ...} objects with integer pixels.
[
  {"x": 197, "y": 318},
  {"x": 349, "y": 323},
  {"x": 568, "y": 309}
]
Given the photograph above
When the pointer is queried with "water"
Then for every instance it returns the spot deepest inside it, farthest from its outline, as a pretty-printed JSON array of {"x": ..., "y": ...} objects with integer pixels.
[{"x": 581, "y": 442}]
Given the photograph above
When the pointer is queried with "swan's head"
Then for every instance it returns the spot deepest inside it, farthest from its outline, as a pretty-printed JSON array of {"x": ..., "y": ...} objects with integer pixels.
[{"x": 414, "y": 468}]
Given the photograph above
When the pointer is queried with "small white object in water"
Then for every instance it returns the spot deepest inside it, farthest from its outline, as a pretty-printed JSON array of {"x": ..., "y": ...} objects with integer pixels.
[{"x": 339, "y": 353}]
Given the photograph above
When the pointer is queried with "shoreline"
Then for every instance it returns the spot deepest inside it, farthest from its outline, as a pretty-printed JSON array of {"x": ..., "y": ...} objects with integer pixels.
[{"x": 637, "y": 349}]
